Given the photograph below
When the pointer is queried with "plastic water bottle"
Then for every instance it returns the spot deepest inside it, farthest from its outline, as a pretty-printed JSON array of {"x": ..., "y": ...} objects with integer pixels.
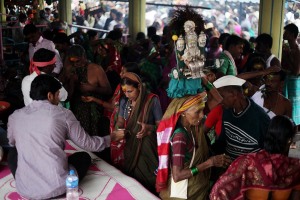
[{"x": 72, "y": 186}]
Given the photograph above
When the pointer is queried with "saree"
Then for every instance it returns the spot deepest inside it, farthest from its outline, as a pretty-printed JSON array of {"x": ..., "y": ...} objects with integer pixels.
[
  {"x": 198, "y": 185},
  {"x": 152, "y": 70},
  {"x": 116, "y": 147},
  {"x": 260, "y": 170},
  {"x": 140, "y": 155}
]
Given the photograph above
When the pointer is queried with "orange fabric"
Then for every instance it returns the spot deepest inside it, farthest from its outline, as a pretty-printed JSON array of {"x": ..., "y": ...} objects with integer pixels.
[
  {"x": 257, "y": 194},
  {"x": 261, "y": 194}
]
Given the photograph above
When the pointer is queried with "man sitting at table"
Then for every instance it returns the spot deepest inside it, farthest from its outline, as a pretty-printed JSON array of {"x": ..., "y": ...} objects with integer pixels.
[{"x": 39, "y": 132}]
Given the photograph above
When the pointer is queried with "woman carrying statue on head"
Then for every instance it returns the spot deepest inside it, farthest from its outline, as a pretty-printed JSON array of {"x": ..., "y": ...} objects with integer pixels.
[
  {"x": 183, "y": 153},
  {"x": 183, "y": 150}
]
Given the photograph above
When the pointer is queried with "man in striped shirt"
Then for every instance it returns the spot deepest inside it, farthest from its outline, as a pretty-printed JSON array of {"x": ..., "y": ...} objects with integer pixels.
[{"x": 244, "y": 122}]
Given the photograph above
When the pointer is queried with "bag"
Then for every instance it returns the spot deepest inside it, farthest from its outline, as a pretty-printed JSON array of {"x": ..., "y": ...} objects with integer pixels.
[{"x": 179, "y": 189}]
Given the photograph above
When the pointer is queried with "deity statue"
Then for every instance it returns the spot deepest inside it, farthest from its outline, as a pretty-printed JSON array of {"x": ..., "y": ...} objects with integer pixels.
[
  {"x": 189, "y": 44},
  {"x": 192, "y": 55},
  {"x": 202, "y": 39},
  {"x": 180, "y": 43}
]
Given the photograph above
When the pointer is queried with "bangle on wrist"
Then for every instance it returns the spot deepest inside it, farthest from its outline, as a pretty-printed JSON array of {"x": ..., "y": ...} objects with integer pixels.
[
  {"x": 209, "y": 86},
  {"x": 194, "y": 171}
]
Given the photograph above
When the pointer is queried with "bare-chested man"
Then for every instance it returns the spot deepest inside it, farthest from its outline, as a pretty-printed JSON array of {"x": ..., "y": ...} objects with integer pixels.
[
  {"x": 89, "y": 79},
  {"x": 291, "y": 64},
  {"x": 270, "y": 97}
]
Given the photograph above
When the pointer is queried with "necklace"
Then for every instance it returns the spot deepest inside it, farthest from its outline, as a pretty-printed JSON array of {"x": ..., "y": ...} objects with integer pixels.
[
  {"x": 190, "y": 135},
  {"x": 238, "y": 112},
  {"x": 243, "y": 109},
  {"x": 128, "y": 109},
  {"x": 186, "y": 129}
]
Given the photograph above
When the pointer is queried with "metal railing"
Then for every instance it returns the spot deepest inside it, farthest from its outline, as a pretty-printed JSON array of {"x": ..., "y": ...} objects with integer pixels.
[
  {"x": 1, "y": 38},
  {"x": 124, "y": 36}
]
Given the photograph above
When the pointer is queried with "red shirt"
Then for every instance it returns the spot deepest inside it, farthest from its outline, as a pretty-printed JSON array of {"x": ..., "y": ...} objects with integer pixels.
[{"x": 214, "y": 119}]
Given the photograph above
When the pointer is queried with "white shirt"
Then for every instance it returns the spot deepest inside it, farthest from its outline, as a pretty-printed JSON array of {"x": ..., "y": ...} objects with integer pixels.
[
  {"x": 259, "y": 100},
  {"x": 112, "y": 24},
  {"x": 39, "y": 131},
  {"x": 26, "y": 85},
  {"x": 268, "y": 61},
  {"x": 47, "y": 44},
  {"x": 297, "y": 23}
]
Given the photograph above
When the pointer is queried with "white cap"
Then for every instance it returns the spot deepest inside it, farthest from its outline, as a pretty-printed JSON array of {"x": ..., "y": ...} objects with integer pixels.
[
  {"x": 208, "y": 25},
  {"x": 228, "y": 80}
]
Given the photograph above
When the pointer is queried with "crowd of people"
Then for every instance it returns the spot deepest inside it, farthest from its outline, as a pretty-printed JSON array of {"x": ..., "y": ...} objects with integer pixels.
[
  {"x": 239, "y": 18},
  {"x": 190, "y": 114}
]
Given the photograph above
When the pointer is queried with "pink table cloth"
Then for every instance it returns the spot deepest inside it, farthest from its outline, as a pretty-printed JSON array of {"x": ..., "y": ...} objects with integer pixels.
[{"x": 102, "y": 181}]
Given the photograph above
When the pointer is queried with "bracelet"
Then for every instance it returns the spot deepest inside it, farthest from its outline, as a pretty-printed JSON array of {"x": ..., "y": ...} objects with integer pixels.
[
  {"x": 209, "y": 86},
  {"x": 194, "y": 171}
]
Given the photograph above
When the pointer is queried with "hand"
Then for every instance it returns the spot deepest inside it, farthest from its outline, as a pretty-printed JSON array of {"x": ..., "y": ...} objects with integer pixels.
[
  {"x": 118, "y": 135},
  {"x": 272, "y": 69},
  {"x": 109, "y": 68},
  {"x": 145, "y": 130},
  {"x": 87, "y": 98},
  {"x": 86, "y": 87},
  {"x": 221, "y": 160},
  {"x": 204, "y": 79}
]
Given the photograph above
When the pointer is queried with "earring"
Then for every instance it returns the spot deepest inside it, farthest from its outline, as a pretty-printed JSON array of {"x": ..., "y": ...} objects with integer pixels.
[{"x": 183, "y": 115}]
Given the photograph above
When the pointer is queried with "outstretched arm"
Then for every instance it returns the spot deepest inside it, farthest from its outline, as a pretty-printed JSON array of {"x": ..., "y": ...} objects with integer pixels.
[
  {"x": 250, "y": 75},
  {"x": 180, "y": 174},
  {"x": 105, "y": 104}
]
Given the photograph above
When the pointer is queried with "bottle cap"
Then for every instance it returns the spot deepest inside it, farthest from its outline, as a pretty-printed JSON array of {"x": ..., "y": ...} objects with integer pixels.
[{"x": 72, "y": 180}]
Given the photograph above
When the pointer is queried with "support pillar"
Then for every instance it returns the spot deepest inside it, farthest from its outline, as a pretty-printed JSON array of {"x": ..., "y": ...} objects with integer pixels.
[
  {"x": 41, "y": 5},
  {"x": 65, "y": 12},
  {"x": 2, "y": 21},
  {"x": 137, "y": 18},
  {"x": 271, "y": 21},
  {"x": 3, "y": 11}
]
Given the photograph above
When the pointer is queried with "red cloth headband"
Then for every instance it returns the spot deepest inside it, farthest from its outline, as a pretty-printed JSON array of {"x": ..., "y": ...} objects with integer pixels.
[{"x": 34, "y": 65}]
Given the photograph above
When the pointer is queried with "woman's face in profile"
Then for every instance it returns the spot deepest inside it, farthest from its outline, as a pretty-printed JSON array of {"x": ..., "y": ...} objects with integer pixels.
[
  {"x": 194, "y": 115},
  {"x": 131, "y": 92}
]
